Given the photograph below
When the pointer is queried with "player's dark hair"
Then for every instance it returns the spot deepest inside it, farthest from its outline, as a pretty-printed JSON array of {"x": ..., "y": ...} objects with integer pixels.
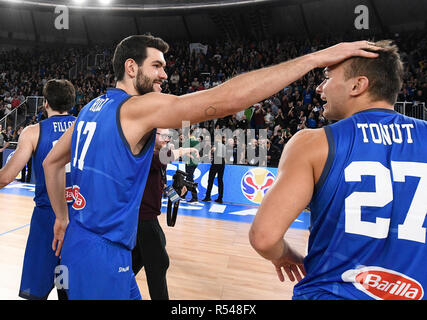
[
  {"x": 135, "y": 47},
  {"x": 385, "y": 73},
  {"x": 60, "y": 94}
]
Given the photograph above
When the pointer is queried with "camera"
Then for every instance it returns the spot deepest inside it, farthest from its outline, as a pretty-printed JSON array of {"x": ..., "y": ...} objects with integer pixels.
[
  {"x": 179, "y": 181},
  {"x": 174, "y": 195}
]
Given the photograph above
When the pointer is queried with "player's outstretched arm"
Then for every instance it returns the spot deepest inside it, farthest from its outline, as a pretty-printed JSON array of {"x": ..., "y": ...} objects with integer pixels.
[
  {"x": 54, "y": 171},
  {"x": 286, "y": 199},
  {"x": 157, "y": 110},
  {"x": 23, "y": 153}
]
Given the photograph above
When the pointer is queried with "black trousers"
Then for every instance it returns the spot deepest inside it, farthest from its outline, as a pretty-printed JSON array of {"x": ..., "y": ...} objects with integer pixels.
[
  {"x": 26, "y": 176},
  {"x": 213, "y": 171},
  {"x": 189, "y": 170},
  {"x": 150, "y": 253}
]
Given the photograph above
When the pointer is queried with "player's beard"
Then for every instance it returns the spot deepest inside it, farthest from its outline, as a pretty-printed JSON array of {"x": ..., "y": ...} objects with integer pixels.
[{"x": 143, "y": 83}]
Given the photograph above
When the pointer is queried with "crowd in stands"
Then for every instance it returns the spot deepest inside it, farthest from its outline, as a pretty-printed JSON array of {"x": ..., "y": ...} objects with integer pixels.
[{"x": 298, "y": 106}]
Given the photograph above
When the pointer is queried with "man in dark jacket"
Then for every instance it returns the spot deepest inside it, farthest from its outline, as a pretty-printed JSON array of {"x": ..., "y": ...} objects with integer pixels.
[{"x": 150, "y": 250}]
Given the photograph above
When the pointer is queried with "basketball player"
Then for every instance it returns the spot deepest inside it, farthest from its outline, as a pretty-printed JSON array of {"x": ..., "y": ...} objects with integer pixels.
[
  {"x": 36, "y": 141},
  {"x": 365, "y": 177},
  {"x": 111, "y": 145}
]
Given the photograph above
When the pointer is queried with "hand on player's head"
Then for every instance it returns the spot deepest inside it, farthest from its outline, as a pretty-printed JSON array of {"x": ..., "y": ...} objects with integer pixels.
[{"x": 342, "y": 51}]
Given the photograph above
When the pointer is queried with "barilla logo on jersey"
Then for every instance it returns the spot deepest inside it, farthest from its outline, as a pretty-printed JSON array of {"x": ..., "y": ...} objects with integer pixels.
[
  {"x": 73, "y": 194},
  {"x": 384, "y": 284}
]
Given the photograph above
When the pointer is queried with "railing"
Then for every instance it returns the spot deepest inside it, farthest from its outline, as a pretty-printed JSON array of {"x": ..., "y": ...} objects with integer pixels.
[
  {"x": 86, "y": 64},
  {"x": 19, "y": 115},
  {"x": 412, "y": 109}
]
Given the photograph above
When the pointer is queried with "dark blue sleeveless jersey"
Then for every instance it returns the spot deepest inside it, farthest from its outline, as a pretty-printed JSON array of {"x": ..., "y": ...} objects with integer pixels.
[
  {"x": 51, "y": 130},
  {"x": 108, "y": 180},
  {"x": 368, "y": 236}
]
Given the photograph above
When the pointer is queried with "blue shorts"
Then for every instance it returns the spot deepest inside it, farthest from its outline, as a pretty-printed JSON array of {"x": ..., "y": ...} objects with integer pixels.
[
  {"x": 97, "y": 269},
  {"x": 38, "y": 271}
]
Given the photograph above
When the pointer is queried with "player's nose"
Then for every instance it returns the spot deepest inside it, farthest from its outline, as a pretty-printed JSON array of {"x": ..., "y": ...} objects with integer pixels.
[{"x": 319, "y": 88}]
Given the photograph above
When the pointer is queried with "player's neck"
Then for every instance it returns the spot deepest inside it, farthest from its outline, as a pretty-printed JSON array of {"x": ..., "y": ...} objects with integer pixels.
[
  {"x": 51, "y": 113},
  {"x": 366, "y": 105},
  {"x": 127, "y": 86}
]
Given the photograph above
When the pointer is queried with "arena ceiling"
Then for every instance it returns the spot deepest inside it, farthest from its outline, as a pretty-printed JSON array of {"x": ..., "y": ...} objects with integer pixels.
[{"x": 195, "y": 20}]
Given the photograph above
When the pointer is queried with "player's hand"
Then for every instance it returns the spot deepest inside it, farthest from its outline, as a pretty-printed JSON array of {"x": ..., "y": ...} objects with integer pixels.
[
  {"x": 292, "y": 264},
  {"x": 59, "y": 229},
  {"x": 343, "y": 51}
]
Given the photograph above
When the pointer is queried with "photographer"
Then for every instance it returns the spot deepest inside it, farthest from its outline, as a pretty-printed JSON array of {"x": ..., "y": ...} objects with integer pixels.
[{"x": 150, "y": 250}]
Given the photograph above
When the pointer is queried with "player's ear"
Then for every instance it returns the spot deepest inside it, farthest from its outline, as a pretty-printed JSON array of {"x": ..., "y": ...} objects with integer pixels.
[
  {"x": 131, "y": 68},
  {"x": 359, "y": 85}
]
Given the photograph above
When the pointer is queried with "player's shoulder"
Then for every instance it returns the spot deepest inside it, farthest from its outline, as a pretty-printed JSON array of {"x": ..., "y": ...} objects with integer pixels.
[
  {"x": 147, "y": 105},
  {"x": 149, "y": 98},
  {"x": 30, "y": 135},
  {"x": 30, "y": 131},
  {"x": 308, "y": 137},
  {"x": 308, "y": 143}
]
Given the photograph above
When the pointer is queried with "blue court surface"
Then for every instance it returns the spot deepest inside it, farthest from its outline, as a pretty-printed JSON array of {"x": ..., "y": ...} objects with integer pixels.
[{"x": 212, "y": 210}]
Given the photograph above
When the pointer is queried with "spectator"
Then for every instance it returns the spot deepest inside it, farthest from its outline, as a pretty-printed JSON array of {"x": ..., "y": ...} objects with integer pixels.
[
  {"x": 311, "y": 121},
  {"x": 273, "y": 154},
  {"x": 15, "y": 102},
  {"x": 4, "y": 143},
  {"x": 258, "y": 118},
  {"x": 217, "y": 168}
]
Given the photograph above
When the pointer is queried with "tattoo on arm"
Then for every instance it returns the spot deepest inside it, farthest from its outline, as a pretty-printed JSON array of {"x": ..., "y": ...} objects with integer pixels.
[{"x": 210, "y": 111}]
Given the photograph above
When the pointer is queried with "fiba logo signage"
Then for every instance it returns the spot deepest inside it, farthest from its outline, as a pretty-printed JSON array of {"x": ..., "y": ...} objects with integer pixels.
[{"x": 255, "y": 183}]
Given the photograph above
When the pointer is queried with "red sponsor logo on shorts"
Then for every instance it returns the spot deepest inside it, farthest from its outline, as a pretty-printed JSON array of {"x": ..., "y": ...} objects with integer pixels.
[
  {"x": 72, "y": 194},
  {"x": 384, "y": 284},
  {"x": 69, "y": 194}
]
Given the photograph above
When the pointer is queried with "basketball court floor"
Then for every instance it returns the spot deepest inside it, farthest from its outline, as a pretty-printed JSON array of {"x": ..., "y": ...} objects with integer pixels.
[{"x": 209, "y": 251}]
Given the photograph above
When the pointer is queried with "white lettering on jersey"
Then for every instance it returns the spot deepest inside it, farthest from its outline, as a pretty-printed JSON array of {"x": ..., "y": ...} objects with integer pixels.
[
  {"x": 61, "y": 126},
  {"x": 97, "y": 106},
  {"x": 386, "y": 134}
]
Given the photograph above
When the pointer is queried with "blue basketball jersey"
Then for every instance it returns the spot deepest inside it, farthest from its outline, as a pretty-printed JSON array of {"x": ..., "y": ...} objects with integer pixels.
[
  {"x": 368, "y": 236},
  {"x": 108, "y": 180},
  {"x": 51, "y": 130}
]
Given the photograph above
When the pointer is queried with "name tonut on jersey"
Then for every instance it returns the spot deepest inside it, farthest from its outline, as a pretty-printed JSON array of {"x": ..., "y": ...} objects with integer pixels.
[{"x": 386, "y": 134}]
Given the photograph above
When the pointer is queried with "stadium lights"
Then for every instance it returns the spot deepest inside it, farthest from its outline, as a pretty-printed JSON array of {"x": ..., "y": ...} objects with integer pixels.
[{"x": 107, "y": 5}]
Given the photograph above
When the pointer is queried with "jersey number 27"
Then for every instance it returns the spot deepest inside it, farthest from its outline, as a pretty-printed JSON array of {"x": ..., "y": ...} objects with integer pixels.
[{"x": 412, "y": 227}]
